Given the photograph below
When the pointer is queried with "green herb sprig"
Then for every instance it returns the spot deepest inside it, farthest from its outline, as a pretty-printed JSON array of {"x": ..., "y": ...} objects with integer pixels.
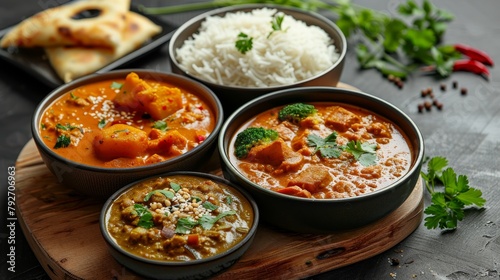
[
  {"x": 363, "y": 152},
  {"x": 276, "y": 23},
  {"x": 394, "y": 45},
  {"x": 244, "y": 43},
  {"x": 145, "y": 216},
  {"x": 448, "y": 205}
]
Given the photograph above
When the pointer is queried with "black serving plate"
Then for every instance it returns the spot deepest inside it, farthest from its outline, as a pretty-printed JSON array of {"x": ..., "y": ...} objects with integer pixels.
[{"x": 34, "y": 61}]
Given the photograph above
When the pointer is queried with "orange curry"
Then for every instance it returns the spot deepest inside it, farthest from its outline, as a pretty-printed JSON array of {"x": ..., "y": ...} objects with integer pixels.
[
  {"x": 126, "y": 123},
  {"x": 339, "y": 151}
]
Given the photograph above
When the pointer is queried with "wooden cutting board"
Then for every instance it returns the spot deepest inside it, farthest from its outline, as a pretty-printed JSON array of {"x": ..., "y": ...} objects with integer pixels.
[{"x": 62, "y": 228}]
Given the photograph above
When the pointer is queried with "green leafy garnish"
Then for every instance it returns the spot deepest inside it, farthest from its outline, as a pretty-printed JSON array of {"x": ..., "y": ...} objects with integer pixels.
[
  {"x": 160, "y": 125},
  {"x": 327, "y": 147},
  {"x": 184, "y": 225},
  {"x": 207, "y": 221},
  {"x": 167, "y": 194},
  {"x": 209, "y": 205},
  {"x": 121, "y": 130},
  {"x": 176, "y": 187},
  {"x": 62, "y": 141},
  {"x": 74, "y": 97},
  {"x": 363, "y": 152},
  {"x": 66, "y": 127},
  {"x": 145, "y": 216},
  {"x": 276, "y": 23},
  {"x": 101, "y": 124},
  {"x": 448, "y": 206},
  {"x": 116, "y": 85},
  {"x": 244, "y": 43},
  {"x": 229, "y": 200}
]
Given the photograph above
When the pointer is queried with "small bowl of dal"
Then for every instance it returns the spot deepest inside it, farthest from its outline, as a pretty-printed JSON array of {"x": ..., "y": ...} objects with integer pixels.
[
  {"x": 179, "y": 225},
  {"x": 242, "y": 52}
]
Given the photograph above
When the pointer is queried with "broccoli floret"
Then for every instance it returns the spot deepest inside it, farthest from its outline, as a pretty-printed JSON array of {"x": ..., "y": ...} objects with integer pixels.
[
  {"x": 296, "y": 112},
  {"x": 251, "y": 137}
]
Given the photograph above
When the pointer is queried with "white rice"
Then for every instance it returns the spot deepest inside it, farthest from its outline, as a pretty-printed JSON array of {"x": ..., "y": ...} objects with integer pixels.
[{"x": 294, "y": 54}]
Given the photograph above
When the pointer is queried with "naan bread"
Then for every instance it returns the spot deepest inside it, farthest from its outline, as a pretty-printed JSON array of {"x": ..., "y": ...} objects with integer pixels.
[
  {"x": 73, "y": 62},
  {"x": 59, "y": 27}
]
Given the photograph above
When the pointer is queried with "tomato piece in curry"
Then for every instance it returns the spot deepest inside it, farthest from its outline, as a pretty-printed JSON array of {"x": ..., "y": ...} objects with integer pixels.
[
  {"x": 126, "y": 122},
  {"x": 338, "y": 151}
]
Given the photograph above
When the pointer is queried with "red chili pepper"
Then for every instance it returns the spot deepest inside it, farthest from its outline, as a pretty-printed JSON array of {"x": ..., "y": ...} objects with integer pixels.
[
  {"x": 474, "y": 54},
  {"x": 467, "y": 65},
  {"x": 473, "y": 66}
]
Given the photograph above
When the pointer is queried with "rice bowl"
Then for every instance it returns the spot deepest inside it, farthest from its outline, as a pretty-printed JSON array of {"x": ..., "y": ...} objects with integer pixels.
[
  {"x": 233, "y": 96},
  {"x": 294, "y": 52}
]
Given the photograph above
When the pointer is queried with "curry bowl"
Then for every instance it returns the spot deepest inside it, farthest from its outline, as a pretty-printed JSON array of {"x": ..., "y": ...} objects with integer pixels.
[
  {"x": 102, "y": 131},
  {"x": 322, "y": 159},
  {"x": 179, "y": 225},
  {"x": 302, "y": 49}
]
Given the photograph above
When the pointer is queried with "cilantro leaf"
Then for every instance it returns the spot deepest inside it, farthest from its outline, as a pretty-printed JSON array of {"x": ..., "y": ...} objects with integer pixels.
[
  {"x": 276, "y": 23},
  {"x": 448, "y": 206},
  {"x": 145, "y": 216},
  {"x": 160, "y": 125},
  {"x": 244, "y": 43},
  {"x": 62, "y": 141},
  {"x": 327, "y": 147},
  {"x": 116, "y": 85},
  {"x": 209, "y": 205},
  {"x": 185, "y": 225},
  {"x": 207, "y": 221},
  {"x": 363, "y": 152},
  {"x": 167, "y": 194},
  {"x": 101, "y": 124},
  {"x": 176, "y": 187}
]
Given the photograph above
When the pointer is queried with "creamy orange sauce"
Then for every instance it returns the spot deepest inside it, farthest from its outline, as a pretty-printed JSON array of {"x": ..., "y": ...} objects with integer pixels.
[
  {"x": 94, "y": 122},
  {"x": 298, "y": 171}
]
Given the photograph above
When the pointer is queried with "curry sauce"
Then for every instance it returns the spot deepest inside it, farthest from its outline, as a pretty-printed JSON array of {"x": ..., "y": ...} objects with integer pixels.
[
  {"x": 296, "y": 164},
  {"x": 179, "y": 218},
  {"x": 126, "y": 122}
]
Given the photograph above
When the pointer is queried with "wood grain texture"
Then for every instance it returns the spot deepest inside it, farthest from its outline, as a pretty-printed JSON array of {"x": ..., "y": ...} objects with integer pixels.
[{"x": 62, "y": 228}]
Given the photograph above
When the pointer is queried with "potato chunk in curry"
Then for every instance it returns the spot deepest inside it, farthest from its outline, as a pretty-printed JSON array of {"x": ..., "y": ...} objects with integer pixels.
[{"x": 120, "y": 140}]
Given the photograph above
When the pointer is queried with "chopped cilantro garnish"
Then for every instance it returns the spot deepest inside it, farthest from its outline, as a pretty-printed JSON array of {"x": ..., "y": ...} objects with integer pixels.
[
  {"x": 184, "y": 225},
  {"x": 276, "y": 23},
  {"x": 362, "y": 152},
  {"x": 116, "y": 85},
  {"x": 176, "y": 187},
  {"x": 167, "y": 194},
  {"x": 161, "y": 125},
  {"x": 327, "y": 147},
  {"x": 145, "y": 217},
  {"x": 66, "y": 127},
  {"x": 74, "y": 97},
  {"x": 63, "y": 141},
  {"x": 209, "y": 205},
  {"x": 244, "y": 43},
  {"x": 207, "y": 221},
  {"x": 102, "y": 123}
]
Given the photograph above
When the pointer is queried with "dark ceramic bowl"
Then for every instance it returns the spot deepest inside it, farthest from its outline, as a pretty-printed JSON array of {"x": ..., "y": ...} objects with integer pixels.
[
  {"x": 101, "y": 181},
  {"x": 232, "y": 97},
  {"x": 196, "y": 269},
  {"x": 323, "y": 215}
]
